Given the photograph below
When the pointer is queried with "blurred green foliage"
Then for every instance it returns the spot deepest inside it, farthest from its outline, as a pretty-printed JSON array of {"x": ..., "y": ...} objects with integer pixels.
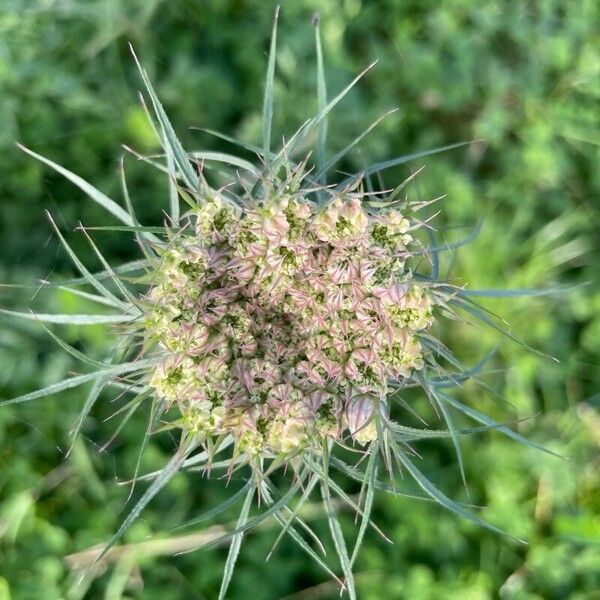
[{"x": 524, "y": 76}]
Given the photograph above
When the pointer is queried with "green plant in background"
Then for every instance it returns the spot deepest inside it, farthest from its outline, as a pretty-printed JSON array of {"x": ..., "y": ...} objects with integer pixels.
[
  {"x": 283, "y": 320},
  {"x": 522, "y": 77}
]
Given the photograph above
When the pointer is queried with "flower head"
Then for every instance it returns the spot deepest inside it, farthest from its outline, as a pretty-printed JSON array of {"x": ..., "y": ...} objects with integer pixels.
[{"x": 293, "y": 298}]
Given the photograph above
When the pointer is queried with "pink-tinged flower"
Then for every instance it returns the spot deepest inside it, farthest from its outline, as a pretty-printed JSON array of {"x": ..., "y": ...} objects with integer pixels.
[
  {"x": 365, "y": 370},
  {"x": 274, "y": 223},
  {"x": 190, "y": 338},
  {"x": 408, "y": 305},
  {"x": 289, "y": 318},
  {"x": 324, "y": 223},
  {"x": 395, "y": 294},
  {"x": 360, "y": 411},
  {"x": 402, "y": 355},
  {"x": 353, "y": 212},
  {"x": 343, "y": 266}
]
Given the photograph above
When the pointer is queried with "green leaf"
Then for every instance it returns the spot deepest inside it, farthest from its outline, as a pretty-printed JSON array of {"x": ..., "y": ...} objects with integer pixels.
[
  {"x": 130, "y": 228},
  {"x": 294, "y": 515},
  {"x": 310, "y": 124},
  {"x": 78, "y": 380},
  {"x": 65, "y": 384},
  {"x": 84, "y": 271},
  {"x": 336, "y": 531},
  {"x": 199, "y": 459},
  {"x": 228, "y": 159},
  {"x": 73, "y": 351},
  {"x": 130, "y": 267},
  {"x": 171, "y": 143},
  {"x": 99, "y": 384},
  {"x": 370, "y": 479},
  {"x": 142, "y": 235},
  {"x": 245, "y": 145},
  {"x": 167, "y": 473},
  {"x": 129, "y": 409},
  {"x": 62, "y": 319},
  {"x": 126, "y": 293},
  {"x": 357, "y": 475},
  {"x": 480, "y": 313},
  {"x": 324, "y": 168},
  {"x": 97, "y": 196},
  {"x": 522, "y": 292},
  {"x": 156, "y": 412},
  {"x": 236, "y": 542},
  {"x": 321, "y": 100},
  {"x": 173, "y": 195},
  {"x": 342, "y": 494},
  {"x": 463, "y": 242},
  {"x": 478, "y": 416},
  {"x": 268, "y": 99},
  {"x": 439, "y": 496},
  {"x": 439, "y": 402},
  {"x": 302, "y": 543},
  {"x": 86, "y": 295},
  {"x": 223, "y": 506},
  {"x": 273, "y": 509},
  {"x": 394, "y": 162}
]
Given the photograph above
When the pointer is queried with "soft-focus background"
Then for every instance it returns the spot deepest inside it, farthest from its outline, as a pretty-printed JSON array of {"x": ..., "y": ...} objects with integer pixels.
[{"x": 524, "y": 76}]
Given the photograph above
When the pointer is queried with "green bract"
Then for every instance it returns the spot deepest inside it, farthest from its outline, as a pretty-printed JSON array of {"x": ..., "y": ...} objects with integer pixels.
[{"x": 275, "y": 324}]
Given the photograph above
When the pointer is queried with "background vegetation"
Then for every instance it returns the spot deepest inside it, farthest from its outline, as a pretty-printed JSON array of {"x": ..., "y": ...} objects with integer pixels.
[{"x": 524, "y": 76}]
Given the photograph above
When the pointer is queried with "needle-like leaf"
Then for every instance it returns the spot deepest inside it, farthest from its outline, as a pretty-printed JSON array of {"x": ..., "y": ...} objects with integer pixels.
[
  {"x": 97, "y": 196},
  {"x": 236, "y": 542},
  {"x": 269, "y": 84}
]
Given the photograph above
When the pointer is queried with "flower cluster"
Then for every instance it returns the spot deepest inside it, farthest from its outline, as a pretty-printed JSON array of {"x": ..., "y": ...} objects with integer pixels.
[
  {"x": 276, "y": 317},
  {"x": 283, "y": 324}
]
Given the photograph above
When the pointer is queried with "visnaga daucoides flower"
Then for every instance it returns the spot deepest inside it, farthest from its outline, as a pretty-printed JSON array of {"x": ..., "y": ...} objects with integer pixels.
[
  {"x": 276, "y": 324},
  {"x": 285, "y": 323}
]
